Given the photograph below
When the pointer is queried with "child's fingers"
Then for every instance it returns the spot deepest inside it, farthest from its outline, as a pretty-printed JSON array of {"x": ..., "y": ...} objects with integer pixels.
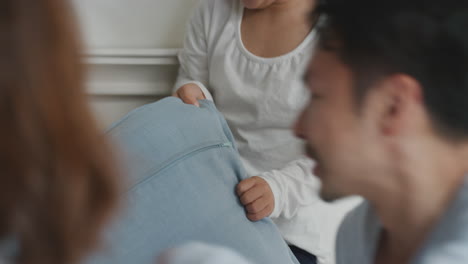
[
  {"x": 260, "y": 215},
  {"x": 201, "y": 96},
  {"x": 258, "y": 205},
  {"x": 190, "y": 94},
  {"x": 245, "y": 185},
  {"x": 251, "y": 195},
  {"x": 189, "y": 99}
]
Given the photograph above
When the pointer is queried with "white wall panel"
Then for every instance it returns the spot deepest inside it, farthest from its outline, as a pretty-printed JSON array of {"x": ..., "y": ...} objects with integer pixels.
[
  {"x": 133, "y": 24},
  {"x": 131, "y": 51}
]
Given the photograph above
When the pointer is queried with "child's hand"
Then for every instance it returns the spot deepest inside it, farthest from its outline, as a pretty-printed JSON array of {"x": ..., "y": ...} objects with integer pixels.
[
  {"x": 190, "y": 94},
  {"x": 256, "y": 195}
]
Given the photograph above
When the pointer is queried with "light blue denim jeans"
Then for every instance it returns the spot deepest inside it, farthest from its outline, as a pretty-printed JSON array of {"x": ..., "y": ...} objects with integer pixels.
[{"x": 183, "y": 167}]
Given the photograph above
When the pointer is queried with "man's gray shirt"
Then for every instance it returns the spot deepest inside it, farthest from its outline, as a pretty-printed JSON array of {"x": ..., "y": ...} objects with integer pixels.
[{"x": 359, "y": 233}]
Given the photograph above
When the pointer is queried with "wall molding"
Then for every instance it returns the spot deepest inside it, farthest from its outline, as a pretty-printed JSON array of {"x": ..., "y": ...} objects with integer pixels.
[
  {"x": 132, "y": 57},
  {"x": 129, "y": 89},
  {"x": 131, "y": 72}
]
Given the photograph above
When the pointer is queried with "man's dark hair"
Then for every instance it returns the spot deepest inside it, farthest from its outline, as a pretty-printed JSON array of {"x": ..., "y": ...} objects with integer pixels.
[{"x": 426, "y": 39}]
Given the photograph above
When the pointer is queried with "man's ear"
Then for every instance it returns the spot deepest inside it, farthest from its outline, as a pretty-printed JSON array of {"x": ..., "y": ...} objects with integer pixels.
[{"x": 401, "y": 95}]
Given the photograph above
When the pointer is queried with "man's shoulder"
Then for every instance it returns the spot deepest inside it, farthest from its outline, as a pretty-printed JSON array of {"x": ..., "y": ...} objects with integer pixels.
[
  {"x": 448, "y": 243},
  {"x": 357, "y": 236}
]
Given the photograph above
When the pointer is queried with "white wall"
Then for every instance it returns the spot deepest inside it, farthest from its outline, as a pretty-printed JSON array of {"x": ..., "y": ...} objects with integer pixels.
[
  {"x": 134, "y": 24},
  {"x": 131, "y": 50}
]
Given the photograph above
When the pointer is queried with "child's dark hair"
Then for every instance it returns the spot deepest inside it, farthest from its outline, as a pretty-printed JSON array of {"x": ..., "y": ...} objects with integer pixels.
[{"x": 426, "y": 39}]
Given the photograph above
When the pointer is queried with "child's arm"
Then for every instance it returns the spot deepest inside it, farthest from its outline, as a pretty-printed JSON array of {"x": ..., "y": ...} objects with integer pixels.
[
  {"x": 280, "y": 192},
  {"x": 192, "y": 80}
]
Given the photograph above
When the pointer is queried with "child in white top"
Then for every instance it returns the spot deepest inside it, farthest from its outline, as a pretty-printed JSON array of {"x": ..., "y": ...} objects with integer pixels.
[{"x": 248, "y": 56}]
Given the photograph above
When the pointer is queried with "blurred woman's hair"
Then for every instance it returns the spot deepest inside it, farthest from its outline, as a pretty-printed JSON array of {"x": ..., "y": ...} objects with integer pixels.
[{"x": 58, "y": 184}]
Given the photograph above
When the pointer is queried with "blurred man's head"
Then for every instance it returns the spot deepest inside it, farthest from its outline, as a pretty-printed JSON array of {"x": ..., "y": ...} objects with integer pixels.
[{"x": 389, "y": 86}]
